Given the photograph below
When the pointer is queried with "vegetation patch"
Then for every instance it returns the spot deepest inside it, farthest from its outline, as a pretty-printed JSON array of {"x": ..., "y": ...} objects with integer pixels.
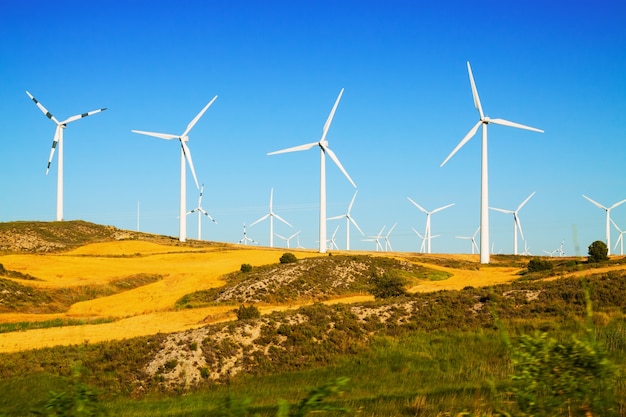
[
  {"x": 313, "y": 279},
  {"x": 47, "y": 324}
]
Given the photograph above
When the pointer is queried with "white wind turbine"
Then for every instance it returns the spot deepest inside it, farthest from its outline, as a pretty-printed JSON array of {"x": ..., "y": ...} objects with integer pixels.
[
  {"x": 620, "y": 239},
  {"x": 472, "y": 238},
  {"x": 423, "y": 245},
  {"x": 271, "y": 216},
  {"x": 57, "y": 141},
  {"x": 377, "y": 239},
  {"x": 332, "y": 244},
  {"x": 427, "y": 234},
  {"x": 349, "y": 219},
  {"x": 185, "y": 154},
  {"x": 245, "y": 239},
  {"x": 517, "y": 225},
  {"x": 201, "y": 211},
  {"x": 608, "y": 218},
  {"x": 324, "y": 149},
  {"x": 387, "y": 241},
  {"x": 484, "y": 176},
  {"x": 288, "y": 239}
]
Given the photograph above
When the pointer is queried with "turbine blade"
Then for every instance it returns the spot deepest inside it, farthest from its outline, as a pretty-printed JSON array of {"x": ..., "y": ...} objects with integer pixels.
[
  {"x": 475, "y": 92},
  {"x": 356, "y": 225},
  {"x": 502, "y": 210},
  {"x": 166, "y": 136},
  {"x": 441, "y": 208},
  {"x": 43, "y": 109},
  {"x": 198, "y": 116},
  {"x": 352, "y": 202},
  {"x": 330, "y": 117},
  {"x": 518, "y": 224},
  {"x": 336, "y": 161},
  {"x": 336, "y": 217},
  {"x": 617, "y": 204},
  {"x": 295, "y": 148},
  {"x": 282, "y": 220},
  {"x": 503, "y": 122},
  {"x": 207, "y": 214},
  {"x": 259, "y": 220},
  {"x": 391, "y": 230},
  {"x": 80, "y": 116},
  {"x": 595, "y": 203},
  {"x": 187, "y": 153},
  {"x": 525, "y": 201},
  {"x": 55, "y": 141},
  {"x": 418, "y": 206},
  {"x": 615, "y": 225},
  {"x": 417, "y": 233},
  {"x": 463, "y": 141}
]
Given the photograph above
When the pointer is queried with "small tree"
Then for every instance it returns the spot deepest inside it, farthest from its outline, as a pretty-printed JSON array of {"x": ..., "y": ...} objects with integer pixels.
[
  {"x": 246, "y": 268},
  {"x": 598, "y": 252},
  {"x": 536, "y": 265},
  {"x": 389, "y": 284},
  {"x": 288, "y": 258},
  {"x": 247, "y": 313}
]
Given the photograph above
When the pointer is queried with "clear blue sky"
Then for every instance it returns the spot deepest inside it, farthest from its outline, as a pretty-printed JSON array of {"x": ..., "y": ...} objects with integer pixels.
[{"x": 277, "y": 67}]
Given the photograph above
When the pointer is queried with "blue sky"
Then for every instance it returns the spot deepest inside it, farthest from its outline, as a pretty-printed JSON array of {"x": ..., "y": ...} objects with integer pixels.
[{"x": 277, "y": 68}]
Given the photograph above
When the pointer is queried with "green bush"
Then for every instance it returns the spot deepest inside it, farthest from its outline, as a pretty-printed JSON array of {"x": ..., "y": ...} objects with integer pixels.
[
  {"x": 537, "y": 264},
  {"x": 389, "y": 284},
  {"x": 288, "y": 258},
  {"x": 247, "y": 313},
  {"x": 598, "y": 252},
  {"x": 246, "y": 268}
]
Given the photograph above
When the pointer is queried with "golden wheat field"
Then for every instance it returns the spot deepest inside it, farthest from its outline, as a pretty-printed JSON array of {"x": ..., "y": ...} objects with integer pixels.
[{"x": 149, "y": 309}]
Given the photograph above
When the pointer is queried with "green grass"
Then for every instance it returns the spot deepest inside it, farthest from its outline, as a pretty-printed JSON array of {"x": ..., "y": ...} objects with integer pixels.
[{"x": 23, "y": 326}]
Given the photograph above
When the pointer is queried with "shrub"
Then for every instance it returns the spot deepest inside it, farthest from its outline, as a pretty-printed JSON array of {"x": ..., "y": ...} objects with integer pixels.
[
  {"x": 247, "y": 313},
  {"x": 598, "y": 252},
  {"x": 288, "y": 258},
  {"x": 389, "y": 284},
  {"x": 246, "y": 268},
  {"x": 536, "y": 265}
]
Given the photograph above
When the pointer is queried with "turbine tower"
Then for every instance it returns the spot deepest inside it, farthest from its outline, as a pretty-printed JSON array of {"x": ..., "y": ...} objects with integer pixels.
[
  {"x": 620, "y": 239},
  {"x": 324, "y": 149},
  {"x": 57, "y": 141},
  {"x": 185, "y": 154},
  {"x": 516, "y": 221},
  {"x": 271, "y": 216},
  {"x": 427, "y": 235},
  {"x": 484, "y": 176},
  {"x": 608, "y": 219},
  {"x": 349, "y": 219},
  {"x": 201, "y": 211}
]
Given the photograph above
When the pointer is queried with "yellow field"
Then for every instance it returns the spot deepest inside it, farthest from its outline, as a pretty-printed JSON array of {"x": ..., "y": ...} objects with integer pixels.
[{"x": 150, "y": 309}]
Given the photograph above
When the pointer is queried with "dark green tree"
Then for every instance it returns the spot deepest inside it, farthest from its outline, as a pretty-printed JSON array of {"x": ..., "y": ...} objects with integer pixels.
[
  {"x": 598, "y": 252},
  {"x": 389, "y": 284},
  {"x": 288, "y": 258}
]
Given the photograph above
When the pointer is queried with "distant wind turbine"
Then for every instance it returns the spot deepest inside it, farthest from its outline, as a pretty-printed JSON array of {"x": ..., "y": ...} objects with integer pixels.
[
  {"x": 332, "y": 244},
  {"x": 57, "y": 141},
  {"x": 349, "y": 219},
  {"x": 387, "y": 241},
  {"x": 377, "y": 239},
  {"x": 245, "y": 239},
  {"x": 620, "y": 239},
  {"x": 427, "y": 234},
  {"x": 608, "y": 218},
  {"x": 472, "y": 238},
  {"x": 201, "y": 211},
  {"x": 324, "y": 149},
  {"x": 271, "y": 216},
  {"x": 484, "y": 189},
  {"x": 185, "y": 154},
  {"x": 288, "y": 239},
  {"x": 517, "y": 225},
  {"x": 423, "y": 245}
]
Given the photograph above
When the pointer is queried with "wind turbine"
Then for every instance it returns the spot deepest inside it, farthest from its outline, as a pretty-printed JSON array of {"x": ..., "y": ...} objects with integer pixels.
[
  {"x": 484, "y": 176},
  {"x": 245, "y": 239},
  {"x": 271, "y": 216},
  {"x": 349, "y": 219},
  {"x": 608, "y": 218},
  {"x": 387, "y": 241},
  {"x": 472, "y": 238},
  {"x": 427, "y": 235},
  {"x": 324, "y": 149},
  {"x": 288, "y": 239},
  {"x": 526, "y": 251},
  {"x": 57, "y": 141},
  {"x": 201, "y": 211},
  {"x": 423, "y": 245},
  {"x": 377, "y": 239},
  {"x": 185, "y": 154},
  {"x": 332, "y": 244},
  {"x": 516, "y": 221},
  {"x": 620, "y": 239}
]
